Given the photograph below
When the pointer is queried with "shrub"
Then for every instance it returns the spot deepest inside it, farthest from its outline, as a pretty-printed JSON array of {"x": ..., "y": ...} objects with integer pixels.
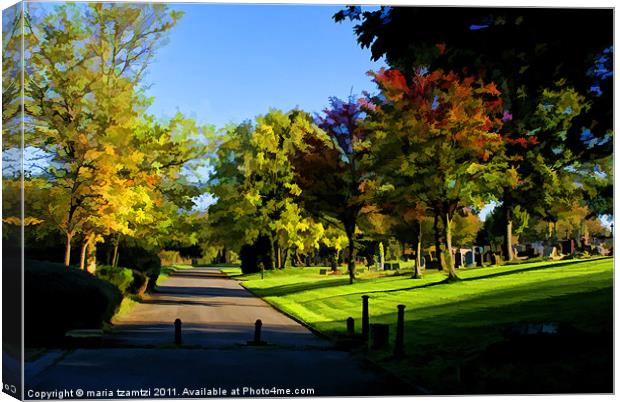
[
  {"x": 139, "y": 284},
  {"x": 120, "y": 277},
  {"x": 141, "y": 260},
  {"x": 58, "y": 299}
]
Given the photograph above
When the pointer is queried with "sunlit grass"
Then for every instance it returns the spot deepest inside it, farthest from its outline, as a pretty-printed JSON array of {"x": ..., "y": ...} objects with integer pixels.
[
  {"x": 447, "y": 321},
  {"x": 167, "y": 270}
]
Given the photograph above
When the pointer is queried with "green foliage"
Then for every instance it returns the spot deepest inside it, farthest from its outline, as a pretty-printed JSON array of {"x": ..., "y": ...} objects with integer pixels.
[
  {"x": 120, "y": 277},
  {"x": 142, "y": 260},
  {"x": 59, "y": 299}
]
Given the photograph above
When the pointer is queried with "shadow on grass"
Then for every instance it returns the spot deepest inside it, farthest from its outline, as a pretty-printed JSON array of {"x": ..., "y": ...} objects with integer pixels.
[
  {"x": 450, "y": 346},
  {"x": 299, "y": 287},
  {"x": 447, "y": 281}
]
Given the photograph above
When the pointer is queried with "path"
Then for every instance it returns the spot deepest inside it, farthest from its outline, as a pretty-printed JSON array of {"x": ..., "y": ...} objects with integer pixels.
[{"x": 218, "y": 317}]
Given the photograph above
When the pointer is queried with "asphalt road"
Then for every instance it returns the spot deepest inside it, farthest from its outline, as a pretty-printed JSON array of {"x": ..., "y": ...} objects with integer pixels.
[
  {"x": 215, "y": 311},
  {"x": 218, "y": 317}
]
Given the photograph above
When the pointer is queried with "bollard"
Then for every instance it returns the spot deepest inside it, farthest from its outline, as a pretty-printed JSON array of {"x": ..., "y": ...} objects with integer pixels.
[
  {"x": 399, "y": 347},
  {"x": 257, "y": 328},
  {"x": 365, "y": 320},
  {"x": 350, "y": 326},
  {"x": 177, "y": 331}
]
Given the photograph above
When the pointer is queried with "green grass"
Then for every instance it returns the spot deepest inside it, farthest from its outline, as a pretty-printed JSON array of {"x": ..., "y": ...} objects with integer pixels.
[
  {"x": 165, "y": 271},
  {"x": 232, "y": 271},
  {"x": 449, "y": 325}
]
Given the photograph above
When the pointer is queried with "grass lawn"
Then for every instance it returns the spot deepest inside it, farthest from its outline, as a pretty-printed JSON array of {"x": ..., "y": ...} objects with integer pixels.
[
  {"x": 453, "y": 337},
  {"x": 232, "y": 271},
  {"x": 165, "y": 271}
]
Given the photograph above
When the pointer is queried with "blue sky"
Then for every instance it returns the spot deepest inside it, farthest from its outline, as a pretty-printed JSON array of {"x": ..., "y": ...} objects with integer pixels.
[{"x": 228, "y": 63}]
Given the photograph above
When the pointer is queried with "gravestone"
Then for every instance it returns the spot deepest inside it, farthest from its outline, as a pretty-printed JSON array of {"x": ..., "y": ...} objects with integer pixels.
[
  {"x": 323, "y": 272},
  {"x": 458, "y": 260},
  {"x": 387, "y": 266},
  {"x": 487, "y": 257},
  {"x": 568, "y": 246},
  {"x": 469, "y": 259},
  {"x": 478, "y": 257},
  {"x": 396, "y": 266}
]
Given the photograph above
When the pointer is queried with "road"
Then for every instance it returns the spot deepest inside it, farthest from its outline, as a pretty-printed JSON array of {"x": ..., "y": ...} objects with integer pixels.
[{"x": 218, "y": 317}]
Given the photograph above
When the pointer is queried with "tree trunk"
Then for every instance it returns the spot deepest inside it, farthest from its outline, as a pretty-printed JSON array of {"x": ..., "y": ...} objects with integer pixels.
[
  {"x": 350, "y": 236},
  {"x": 509, "y": 254},
  {"x": 418, "y": 252},
  {"x": 272, "y": 254},
  {"x": 279, "y": 253},
  {"x": 68, "y": 250},
  {"x": 438, "y": 253},
  {"x": 115, "y": 254},
  {"x": 285, "y": 256},
  {"x": 448, "y": 237},
  {"x": 83, "y": 253}
]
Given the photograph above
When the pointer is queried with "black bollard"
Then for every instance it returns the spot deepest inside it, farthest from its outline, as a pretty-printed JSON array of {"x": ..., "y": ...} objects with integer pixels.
[
  {"x": 365, "y": 320},
  {"x": 177, "y": 331},
  {"x": 350, "y": 326},
  {"x": 257, "y": 328},
  {"x": 399, "y": 347}
]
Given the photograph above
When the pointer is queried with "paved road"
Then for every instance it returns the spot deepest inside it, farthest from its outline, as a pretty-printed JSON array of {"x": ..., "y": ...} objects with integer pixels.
[
  {"x": 216, "y": 312},
  {"x": 218, "y": 317}
]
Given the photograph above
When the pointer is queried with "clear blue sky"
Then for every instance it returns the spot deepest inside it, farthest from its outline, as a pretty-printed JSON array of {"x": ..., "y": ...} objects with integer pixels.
[{"x": 227, "y": 63}]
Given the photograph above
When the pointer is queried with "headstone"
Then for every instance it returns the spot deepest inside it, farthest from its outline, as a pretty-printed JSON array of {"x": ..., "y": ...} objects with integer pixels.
[
  {"x": 396, "y": 266},
  {"x": 487, "y": 257},
  {"x": 322, "y": 271},
  {"x": 478, "y": 257},
  {"x": 568, "y": 247},
  {"x": 387, "y": 266},
  {"x": 422, "y": 262},
  {"x": 458, "y": 260},
  {"x": 469, "y": 258}
]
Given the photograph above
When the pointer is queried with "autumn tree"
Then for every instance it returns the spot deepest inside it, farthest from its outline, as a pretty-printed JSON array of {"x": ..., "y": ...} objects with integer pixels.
[
  {"x": 82, "y": 97},
  {"x": 555, "y": 80},
  {"x": 329, "y": 172},
  {"x": 441, "y": 134}
]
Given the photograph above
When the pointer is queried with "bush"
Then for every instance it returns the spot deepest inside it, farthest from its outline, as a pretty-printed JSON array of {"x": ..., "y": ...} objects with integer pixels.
[
  {"x": 139, "y": 284},
  {"x": 58, "y": 299},
  {"x": 120, "y": 277},
  {"x": 141, "y": 260}
]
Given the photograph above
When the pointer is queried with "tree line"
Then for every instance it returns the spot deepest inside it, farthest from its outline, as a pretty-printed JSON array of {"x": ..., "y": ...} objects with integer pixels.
[
  {"x": 479, "y": 106},
  {"x": 489, "y": 105}
]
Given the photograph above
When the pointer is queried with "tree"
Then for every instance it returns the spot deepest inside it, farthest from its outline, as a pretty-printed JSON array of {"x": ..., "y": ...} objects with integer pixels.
[
  {"x": 537, "y": 65},
  {"x": 329, "y": 172},
  {"x": 82, "y": 98},
  {"x": 256, "y": 189},
  {"x": 440, "y": 132}
]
